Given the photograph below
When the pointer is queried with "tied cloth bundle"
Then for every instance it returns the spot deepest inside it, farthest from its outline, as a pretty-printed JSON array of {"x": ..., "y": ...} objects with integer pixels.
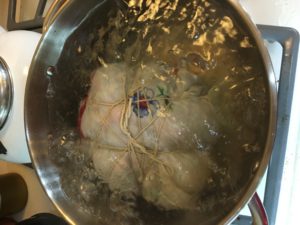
[{"x": 151, "y": 130}]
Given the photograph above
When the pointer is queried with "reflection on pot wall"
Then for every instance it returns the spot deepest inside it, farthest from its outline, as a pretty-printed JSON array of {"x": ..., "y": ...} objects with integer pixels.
[{"x": 285, "y": 13}]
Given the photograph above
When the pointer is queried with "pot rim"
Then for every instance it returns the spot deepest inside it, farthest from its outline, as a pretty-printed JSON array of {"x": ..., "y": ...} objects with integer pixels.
[
  {"x": 40, "y": 159},
  {"x": 272, "y": 113}
]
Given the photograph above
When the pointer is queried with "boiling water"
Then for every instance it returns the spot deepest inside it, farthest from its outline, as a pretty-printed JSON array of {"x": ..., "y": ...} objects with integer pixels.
[{"x": 201, "y": 38}]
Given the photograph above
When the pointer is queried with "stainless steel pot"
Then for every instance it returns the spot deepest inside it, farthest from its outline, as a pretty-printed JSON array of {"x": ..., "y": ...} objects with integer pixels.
[{"x": 50, "y": 91}]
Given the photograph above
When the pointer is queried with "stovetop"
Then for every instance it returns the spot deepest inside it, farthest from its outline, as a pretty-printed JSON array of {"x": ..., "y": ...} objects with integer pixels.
[{"x": 288, "y": 40}]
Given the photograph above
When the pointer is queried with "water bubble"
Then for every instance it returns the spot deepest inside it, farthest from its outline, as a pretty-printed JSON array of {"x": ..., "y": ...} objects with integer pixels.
[
  {"x": 88, "y": 190},
  {"x": 255, "y": 167},
  {"x": 51, "y": 71},
  {"x": 197, "y": 61},
  {"x": 79, "y": 49},
  {"x": 50, "y": 92},
  {"x": 114, "y": 202},
  {"x": 118, "y": 56},
  {"x": 251, "y": 148},
  {"x": 50, "y": 137},
  {"x": 196, "y": 36}
]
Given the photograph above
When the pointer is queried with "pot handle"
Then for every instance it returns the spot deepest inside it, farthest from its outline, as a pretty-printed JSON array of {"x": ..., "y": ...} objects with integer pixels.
[
  {"x": 258, "y": 212},
  {"x": 56, "y": 7}
]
